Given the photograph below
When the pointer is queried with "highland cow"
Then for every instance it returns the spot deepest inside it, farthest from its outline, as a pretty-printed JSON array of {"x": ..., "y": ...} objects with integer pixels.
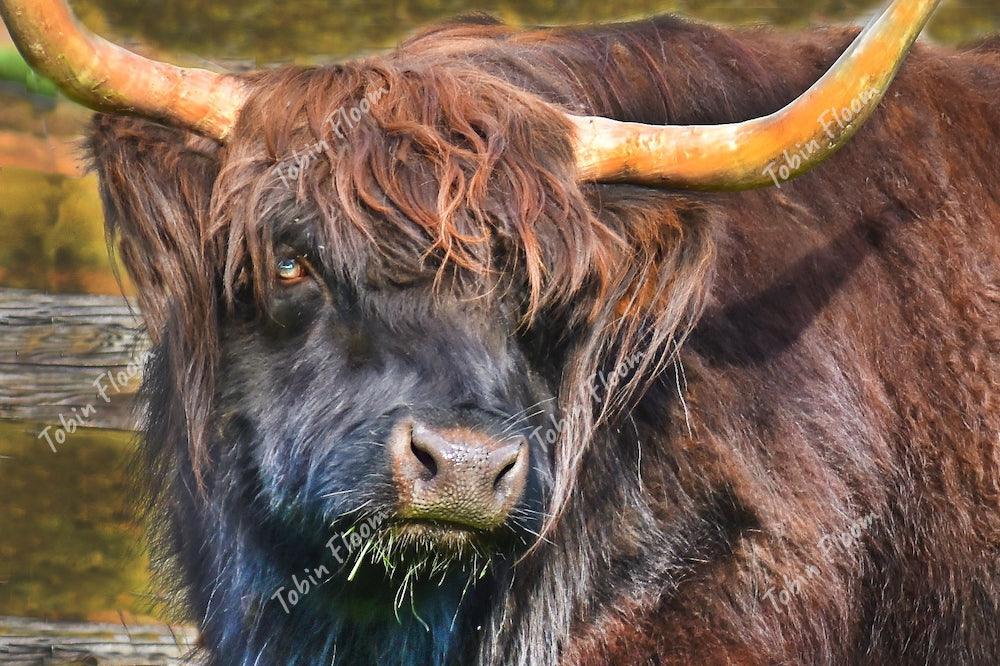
[{"x": 422, "y": 394}]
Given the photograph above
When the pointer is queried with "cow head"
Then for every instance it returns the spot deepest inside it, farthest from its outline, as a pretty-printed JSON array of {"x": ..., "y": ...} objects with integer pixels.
[{"x": 379, "y": 356}]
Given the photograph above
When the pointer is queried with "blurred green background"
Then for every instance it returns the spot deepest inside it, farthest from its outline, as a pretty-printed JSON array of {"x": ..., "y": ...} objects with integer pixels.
[{"x": 68, "y": 542}]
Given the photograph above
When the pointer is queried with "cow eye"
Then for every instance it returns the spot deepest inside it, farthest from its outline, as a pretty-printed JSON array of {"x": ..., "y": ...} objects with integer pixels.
[{"x": 291, "y": 269}]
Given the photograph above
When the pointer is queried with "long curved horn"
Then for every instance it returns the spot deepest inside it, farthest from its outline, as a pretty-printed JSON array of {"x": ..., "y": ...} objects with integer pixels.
[
  {"x": 106, "y": 77},
  {"x": 763, "y": 151}
]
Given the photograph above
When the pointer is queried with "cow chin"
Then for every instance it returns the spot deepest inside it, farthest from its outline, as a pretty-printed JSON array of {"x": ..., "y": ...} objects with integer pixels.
[{"x": 414, "y": 563}]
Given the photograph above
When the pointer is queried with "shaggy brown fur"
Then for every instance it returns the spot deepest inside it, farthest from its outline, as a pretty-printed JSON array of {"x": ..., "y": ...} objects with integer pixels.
[{"x": 818, "y": 360}]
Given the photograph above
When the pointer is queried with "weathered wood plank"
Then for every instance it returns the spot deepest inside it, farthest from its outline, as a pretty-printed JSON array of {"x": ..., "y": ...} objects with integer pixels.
[
  {"x": 69, "y": 360},
  {"x": 28, "y": 641}
]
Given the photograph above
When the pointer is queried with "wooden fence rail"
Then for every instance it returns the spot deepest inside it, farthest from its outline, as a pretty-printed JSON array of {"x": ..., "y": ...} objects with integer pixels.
[
  {"x": 69, "y": 357},
  {"x": 25, "y": 642},
  {"x": 56, "y": 351}
]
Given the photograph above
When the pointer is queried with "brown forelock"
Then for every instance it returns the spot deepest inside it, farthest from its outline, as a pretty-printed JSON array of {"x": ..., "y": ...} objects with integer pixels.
[{"x": 448, "y": 170}]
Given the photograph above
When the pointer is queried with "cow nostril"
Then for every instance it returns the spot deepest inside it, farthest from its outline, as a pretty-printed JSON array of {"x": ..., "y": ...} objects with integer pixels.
[
  {"x": 505, "y": 470},
  {"x": 425, "y": 457},
  {"x": 503, "y": 473}
]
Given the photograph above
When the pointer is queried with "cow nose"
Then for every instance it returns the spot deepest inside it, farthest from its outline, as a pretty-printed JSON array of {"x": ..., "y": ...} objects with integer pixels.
[{"x": 457, "y": 475}]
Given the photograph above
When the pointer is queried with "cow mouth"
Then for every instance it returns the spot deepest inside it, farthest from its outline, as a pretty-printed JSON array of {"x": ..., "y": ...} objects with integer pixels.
[
  {"x": 444, "y": 537},
  {"x": 421, "y": 548},
  {"x": 414, "y": 550}
]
